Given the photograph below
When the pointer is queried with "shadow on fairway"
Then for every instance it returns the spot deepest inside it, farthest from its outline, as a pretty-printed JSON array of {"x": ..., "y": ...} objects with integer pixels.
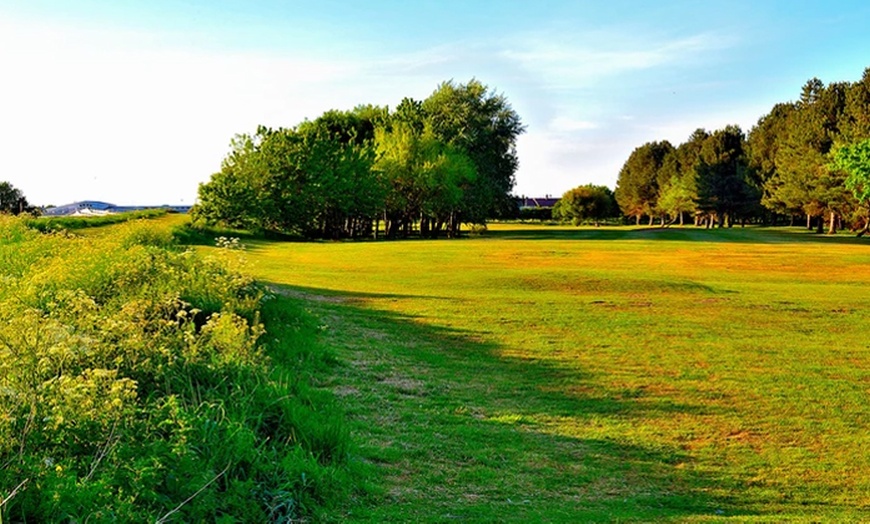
[
  {"x": 347, "y": 296},
  {"x": 756, "y": 235},
  {"x": 453, "y": 431}
]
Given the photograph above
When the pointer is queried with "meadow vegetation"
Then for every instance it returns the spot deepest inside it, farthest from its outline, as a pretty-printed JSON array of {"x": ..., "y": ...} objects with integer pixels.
[
  {"x": 524, "y": 374},
  {"x": 58, "y": 223},
  {"x": 138, "y": 383},
  {"x": 547, "y": 374}
]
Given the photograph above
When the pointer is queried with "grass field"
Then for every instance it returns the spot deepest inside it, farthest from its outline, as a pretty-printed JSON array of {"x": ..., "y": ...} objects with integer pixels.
[{"x": 561, "y": 375}]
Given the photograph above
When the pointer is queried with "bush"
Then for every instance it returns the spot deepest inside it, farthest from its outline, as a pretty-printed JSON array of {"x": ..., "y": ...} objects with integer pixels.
[{"x": 134, "y": 373}]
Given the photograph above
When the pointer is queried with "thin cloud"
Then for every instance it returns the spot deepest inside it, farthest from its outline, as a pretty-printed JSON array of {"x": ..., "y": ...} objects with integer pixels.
[
  {"x": 565, "y": 124},
  {"x": 568, "y": 63}
]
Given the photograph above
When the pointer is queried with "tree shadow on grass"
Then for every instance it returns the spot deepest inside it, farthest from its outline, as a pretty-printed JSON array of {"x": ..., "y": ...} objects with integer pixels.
[
  {"x": 738, "y": 235},
  {"x": 456, "y": 431},
  {"x": 331, "y": 295}
]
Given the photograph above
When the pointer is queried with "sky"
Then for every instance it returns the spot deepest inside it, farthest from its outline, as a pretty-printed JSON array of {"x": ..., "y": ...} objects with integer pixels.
[{"x": 135, "y": 102}]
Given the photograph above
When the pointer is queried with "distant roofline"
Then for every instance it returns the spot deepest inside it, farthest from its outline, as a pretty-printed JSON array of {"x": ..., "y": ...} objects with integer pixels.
[{"x": 72, "y": 208}]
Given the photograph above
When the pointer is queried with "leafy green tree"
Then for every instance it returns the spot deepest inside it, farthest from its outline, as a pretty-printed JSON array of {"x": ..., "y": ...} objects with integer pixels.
[
  {"x": 425, "y": 178},
  {"x": 315, "y": 181},
  {"x": 446, "y": 160},
  {"x": 233, "y": 196},
  {"x": 637, "y": 188},
  {"x": 679, "y": 188},
  {"x": 12, "y": 199},
  {"x": 337, "y": 159},
  {"x": 677, "y": 198},
  {"x": 587, "y": 202},
  {"x": 854, "y": 159},
  {"x": 805, "y": 178},
  {"x": 762, "y": 145},
  {"x": 484, "y": 126},
  {"x": 724, "y": 188},
  {"x": 855, "y": 122}
]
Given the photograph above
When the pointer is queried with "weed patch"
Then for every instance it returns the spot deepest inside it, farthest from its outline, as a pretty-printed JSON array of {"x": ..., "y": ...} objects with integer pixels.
[{"x": 143, "y": 382}]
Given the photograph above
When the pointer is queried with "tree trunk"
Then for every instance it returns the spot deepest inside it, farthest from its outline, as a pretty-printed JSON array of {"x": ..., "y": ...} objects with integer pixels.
[
  {"x": 865, "y": 228},
  {"x": 681, "y": 218},
  {"x": 832, "y": 227},
  {"x": 651, "y": 219},
  {"x": 809, "y": 221},
  {"x": 637, "y": 220}
]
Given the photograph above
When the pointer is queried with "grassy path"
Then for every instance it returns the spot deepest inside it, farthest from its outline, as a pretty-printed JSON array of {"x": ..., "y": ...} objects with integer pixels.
[
  {"x": 564, "y": 376},
  {"x": 440, "y": 417}
]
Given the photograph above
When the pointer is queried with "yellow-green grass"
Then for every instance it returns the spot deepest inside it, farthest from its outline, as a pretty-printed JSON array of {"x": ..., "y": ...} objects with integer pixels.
[{"x": 567, "y": 375}]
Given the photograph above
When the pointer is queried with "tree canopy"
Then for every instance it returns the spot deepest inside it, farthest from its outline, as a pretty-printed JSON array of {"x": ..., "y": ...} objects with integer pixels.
[
  {"x": 794, "y": 161},
  {"x": 587, "y": 202},
  {"x": 432, "y": 164},
  {"x": 12, "y": 200}
]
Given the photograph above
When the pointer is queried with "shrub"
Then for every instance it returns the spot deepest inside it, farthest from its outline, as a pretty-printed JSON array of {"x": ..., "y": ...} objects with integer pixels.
[{"x": 132, "y": 375}]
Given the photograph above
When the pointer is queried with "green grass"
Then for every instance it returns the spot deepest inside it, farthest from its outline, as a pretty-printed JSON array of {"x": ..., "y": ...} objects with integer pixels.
[
  {"x": 137, "y": 384},
  {"x": 549, "y": 374}
]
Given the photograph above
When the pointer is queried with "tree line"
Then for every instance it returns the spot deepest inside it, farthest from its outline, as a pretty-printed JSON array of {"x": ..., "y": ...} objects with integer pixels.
[
  {"x": 425, "y": 167},
  {"x": 804, "y": 159}
]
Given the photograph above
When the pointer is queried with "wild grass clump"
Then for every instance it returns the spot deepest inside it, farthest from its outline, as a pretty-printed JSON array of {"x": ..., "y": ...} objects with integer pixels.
[{"x": 137, "y": 384}]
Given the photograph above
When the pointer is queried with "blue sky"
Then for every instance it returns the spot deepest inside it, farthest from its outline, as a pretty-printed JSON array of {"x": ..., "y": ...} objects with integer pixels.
[{"x": 136, "y": 102}]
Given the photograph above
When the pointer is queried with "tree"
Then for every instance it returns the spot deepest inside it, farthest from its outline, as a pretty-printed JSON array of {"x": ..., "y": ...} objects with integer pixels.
[
  {"x": 855, "y": 122},
  {"x": 724, "y": 190},
  {"x": 425, "y": 178},
  {"x": 315, "y": 181},
  {"x": 805, "y": 179},
  {"x": 484, "y": 126},
  {"x": 11, "y": 199},
  {"x": 677, "y": 198},
  {"x": 587, "y": 202},
  {"x": 854, "y": 159},
  {"x": 637, "y": 188},
  {"x": 446, "y": 160},
  {"x": 762, "y": 146}
]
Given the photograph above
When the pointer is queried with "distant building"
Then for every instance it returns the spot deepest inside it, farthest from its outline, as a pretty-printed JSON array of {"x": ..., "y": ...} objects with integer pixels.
[
  {"x": 95, "y": 207},
  {"x": 537, "y": 202}
]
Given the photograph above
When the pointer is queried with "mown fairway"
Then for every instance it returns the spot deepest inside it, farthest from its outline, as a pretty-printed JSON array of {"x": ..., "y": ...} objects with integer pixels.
[{"x": 563, "y": 375}]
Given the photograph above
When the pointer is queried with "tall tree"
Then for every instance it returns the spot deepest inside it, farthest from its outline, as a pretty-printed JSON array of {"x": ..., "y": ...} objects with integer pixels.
[
  {"x": 425, "y": 176},
  {"x": 854, "y": 125},
  {"x": 587, "y": 202},
  {"x": 677, "y": 198},
  {"x": 762, "y": 145},
  {"x": 854, "y": 159},
  {"x": 485, "y": 127},
  {"x": 723, "y": 188},
  {"x": 12, "y": 199},
  {"x": 805, "y": 178},
  {"x": 637, "y": 188}
]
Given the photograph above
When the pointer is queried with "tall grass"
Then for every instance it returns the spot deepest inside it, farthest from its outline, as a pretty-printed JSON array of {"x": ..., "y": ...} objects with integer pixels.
[{"x": 138, "y": 383}]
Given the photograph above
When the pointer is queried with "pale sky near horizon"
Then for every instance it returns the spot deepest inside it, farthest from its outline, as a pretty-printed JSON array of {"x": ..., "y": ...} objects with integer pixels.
[{"x": 136, "y": 102}]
